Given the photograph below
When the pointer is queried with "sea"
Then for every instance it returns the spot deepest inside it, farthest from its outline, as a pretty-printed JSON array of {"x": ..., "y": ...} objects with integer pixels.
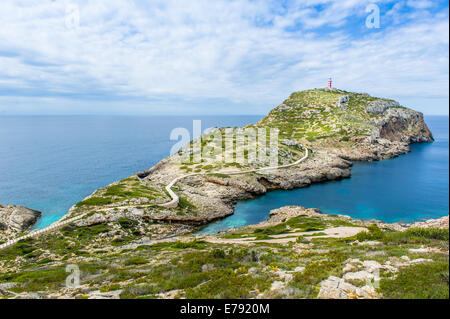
[{"x": 50, "y": 163}]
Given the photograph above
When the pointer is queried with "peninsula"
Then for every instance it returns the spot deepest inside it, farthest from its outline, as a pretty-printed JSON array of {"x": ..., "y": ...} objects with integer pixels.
[{"x": 136, "y": 237}]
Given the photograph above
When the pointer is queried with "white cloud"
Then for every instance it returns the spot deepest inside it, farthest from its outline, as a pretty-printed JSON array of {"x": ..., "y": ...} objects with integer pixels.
[
  {"x": 420, "y": 4},
  {"x": 251, "y": 53}
]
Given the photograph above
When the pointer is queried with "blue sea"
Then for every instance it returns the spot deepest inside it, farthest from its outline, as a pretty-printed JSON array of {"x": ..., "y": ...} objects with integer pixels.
[
  {"x": 49, "y": 163},
  {"x": 408, "y": 188}
]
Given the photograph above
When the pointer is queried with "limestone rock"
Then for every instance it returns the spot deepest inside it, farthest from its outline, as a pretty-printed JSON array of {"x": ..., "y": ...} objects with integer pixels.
[
  {"x": 380, "y": 106},
  {"x": 17, "y": 218}
]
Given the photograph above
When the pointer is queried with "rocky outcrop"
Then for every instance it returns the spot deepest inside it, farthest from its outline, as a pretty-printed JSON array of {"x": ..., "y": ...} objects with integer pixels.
[
  {"x": 372, "y": 150},
  {"x": 398, "y": 123},
  {"x": 215, "y": 197},
  {"x": 380, "y": 106},
  {"x": 405, "y": 125},
  {"x": 342, "y": 101},
  {"x": 432, "y": 223},
  {"x": 17, "y": 218}
]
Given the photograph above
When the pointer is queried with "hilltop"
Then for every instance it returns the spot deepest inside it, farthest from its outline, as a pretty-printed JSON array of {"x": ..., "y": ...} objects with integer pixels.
[{"x": 343, "y": 116}]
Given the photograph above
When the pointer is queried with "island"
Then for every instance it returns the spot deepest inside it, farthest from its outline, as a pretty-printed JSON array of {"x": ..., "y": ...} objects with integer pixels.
[{"x": 136, "y": 238}]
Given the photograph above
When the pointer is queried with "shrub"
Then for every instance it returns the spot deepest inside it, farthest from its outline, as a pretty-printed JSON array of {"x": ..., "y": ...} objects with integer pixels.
[
  {"x": 184, "y": 203},
  {"x": 423, "y": 281},
  {"x": 195, "y": 244},
  {"x": 416, "y": 235},
  {"x": 126, "y": 222},
  {"x": 94, "y": 201},
  {"x": 218, "y": 254},
  {"x": 136, "y": 261},
  {"x": 373, "y": 233}
]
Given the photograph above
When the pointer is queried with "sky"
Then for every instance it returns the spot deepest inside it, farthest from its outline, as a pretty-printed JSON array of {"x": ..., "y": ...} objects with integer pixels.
[{"x": 201, "y": 57}]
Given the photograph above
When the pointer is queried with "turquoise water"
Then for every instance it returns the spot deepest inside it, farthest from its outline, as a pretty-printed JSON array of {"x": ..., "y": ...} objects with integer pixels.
[
  {"x": 51, "y": 163},
  {"x": 404, "y": 189}
]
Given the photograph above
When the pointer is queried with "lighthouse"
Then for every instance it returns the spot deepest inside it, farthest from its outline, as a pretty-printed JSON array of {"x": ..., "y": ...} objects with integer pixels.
[{"x": 329, "y": 83}]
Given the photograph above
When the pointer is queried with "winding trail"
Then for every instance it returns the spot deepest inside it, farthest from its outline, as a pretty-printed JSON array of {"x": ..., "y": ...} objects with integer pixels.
[
  {"x": 175, "y": 199},
  {"x": 172, "y": 204}
]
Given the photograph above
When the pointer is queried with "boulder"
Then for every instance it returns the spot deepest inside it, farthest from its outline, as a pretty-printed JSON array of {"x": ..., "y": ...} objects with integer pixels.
[{"x": 17, "y": 218}]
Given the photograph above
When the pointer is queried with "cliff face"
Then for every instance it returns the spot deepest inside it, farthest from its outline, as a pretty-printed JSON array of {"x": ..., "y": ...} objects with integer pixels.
[
  {"x": 17, "y": 218},
  {"x": 405, "y": 125}
]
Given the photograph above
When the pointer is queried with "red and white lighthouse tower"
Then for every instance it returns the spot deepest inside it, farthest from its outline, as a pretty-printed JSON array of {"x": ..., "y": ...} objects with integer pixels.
[{"x": 329, "y": 83}]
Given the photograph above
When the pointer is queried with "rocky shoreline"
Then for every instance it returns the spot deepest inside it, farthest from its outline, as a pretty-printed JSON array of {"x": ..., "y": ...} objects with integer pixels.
[
  {"x": 17, "y": 219},
  {"x": 210, "y": 197},
  {"x": 286, "y": 212}
]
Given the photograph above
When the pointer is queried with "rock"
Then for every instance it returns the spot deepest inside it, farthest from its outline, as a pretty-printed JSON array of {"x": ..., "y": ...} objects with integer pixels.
[
  {"x": 253, "y": 271},
  {"x": 359, "y": 275},
  {"x": 405, "y": 258},
  {"x": 335, "y": 288},
  {"x": 94, "y": 219},
  {"x": 419, "y": 250},
  {"x": 420, "y": 261},
  {"x": 207, "y": 267},
  {"x": 17, "y": 218},
  {"x": 290, "y": 143},
  {"x": 342, "y": 101},
  {"x": 432, "y": 223},
  {"x": 380, "y": 106},
  {"x": 283, "y": 107},
  {"x": 404, "y": 125},
  {"x": 299, "y": 269},
  {"x": 369, "y": 243},
  {"x": 277, "y": 285},
  {"x": 97, "y": 294}
]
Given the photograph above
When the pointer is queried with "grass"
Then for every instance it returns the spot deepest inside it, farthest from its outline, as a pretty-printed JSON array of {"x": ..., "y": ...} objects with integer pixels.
[
  {"x": 95, "y": 201},
  {"x": 37, "y": 280},
  {"x": 127, "y": 223},
  {"x": 409, "y": 236},
  {"x": 86, "y": 232},
  {"x": 316, "y": 271},
  {"x": 22, "y": 248},
  {"x": 423, "y": 281},
  {"x": 185, "y": 204},
  {"x": 136, "y": 261}
]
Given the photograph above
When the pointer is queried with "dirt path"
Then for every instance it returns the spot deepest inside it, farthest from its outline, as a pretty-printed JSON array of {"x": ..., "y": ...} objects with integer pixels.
[
  {"x": 175, "y": 199},
  {"x": 333, "y": 232}
]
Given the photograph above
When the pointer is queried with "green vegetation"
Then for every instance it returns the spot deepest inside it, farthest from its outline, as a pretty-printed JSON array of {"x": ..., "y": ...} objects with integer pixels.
[
  {"x": 23, "y": 248},
  {"x": 423, "y": 281},
  {"x": 201, "y": 269},
  {"x": 185, "y": 204},
  {"x": 314, "y": 115},
  {"x": 94, "y": 201},
  {"x": 126, "y": 189},
  {"x": 409, "y": 236}
]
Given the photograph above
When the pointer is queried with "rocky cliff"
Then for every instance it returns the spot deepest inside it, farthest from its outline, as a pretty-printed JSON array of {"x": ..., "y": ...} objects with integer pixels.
[{"x": 17, "y": 218}]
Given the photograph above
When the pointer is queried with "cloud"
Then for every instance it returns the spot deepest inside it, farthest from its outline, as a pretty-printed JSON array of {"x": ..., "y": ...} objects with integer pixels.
[
  {"x": 246, "y": 54},
  {"x": 420, "y": 4}
]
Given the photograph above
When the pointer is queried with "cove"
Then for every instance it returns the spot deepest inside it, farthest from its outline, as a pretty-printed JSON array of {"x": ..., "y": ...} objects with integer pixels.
[{"x": 408, "y": 188}]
